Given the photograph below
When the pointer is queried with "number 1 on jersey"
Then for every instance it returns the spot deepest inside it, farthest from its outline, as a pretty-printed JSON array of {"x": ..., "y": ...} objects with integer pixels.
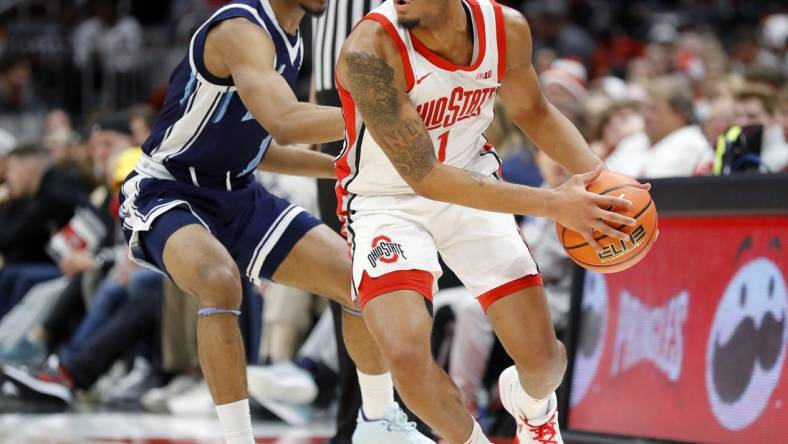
[{"x": 444, "y": 138}]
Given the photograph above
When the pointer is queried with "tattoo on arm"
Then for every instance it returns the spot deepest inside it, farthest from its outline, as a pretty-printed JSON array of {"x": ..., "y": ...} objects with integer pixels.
[
  {"x": 404, "y": 138},
  {"x": 477, "y": 178}
]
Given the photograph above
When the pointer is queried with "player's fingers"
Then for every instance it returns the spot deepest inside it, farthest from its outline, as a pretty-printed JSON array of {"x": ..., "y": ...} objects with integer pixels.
[
  {"x": 607, "y": 230},
  {"x": 591, "y": 176},
  {"x": 616, "y": 218},
  {"x": 613, "y": 202},
  {"x": 589, "y": 238}
]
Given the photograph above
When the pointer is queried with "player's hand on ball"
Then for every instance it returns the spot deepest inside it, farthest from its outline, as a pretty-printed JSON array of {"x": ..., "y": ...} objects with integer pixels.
[{"x": 588, "y": 213}]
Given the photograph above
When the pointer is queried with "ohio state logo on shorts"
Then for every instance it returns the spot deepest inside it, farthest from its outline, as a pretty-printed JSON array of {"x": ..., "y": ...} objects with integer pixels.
[{"x": 384, "y": 250}]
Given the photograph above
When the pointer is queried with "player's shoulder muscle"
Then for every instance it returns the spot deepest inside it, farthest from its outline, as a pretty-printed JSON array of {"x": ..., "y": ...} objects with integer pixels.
[
  {"x": 238, "y": 41},
  {"x": 519, "y": 45},
  {"x": 369, "y": 39}
]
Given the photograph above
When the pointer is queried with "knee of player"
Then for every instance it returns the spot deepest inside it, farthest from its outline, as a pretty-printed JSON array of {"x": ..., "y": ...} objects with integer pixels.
[
  {"x": 543, "y": 360},
  {"x": 408, "y": 357},
  {"x": 219, "y": 286}
]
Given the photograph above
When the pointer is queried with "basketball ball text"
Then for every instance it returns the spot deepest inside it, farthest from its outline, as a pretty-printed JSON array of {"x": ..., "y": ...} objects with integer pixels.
[{"x": 619, "y": 248}]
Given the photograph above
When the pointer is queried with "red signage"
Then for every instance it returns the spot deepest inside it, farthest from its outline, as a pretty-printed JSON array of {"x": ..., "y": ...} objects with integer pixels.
[{"x": 690, "y": 344}]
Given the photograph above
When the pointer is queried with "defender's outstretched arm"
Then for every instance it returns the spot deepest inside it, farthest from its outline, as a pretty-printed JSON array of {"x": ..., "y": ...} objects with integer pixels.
[
  {"x": 298, "y": 161},
  {"x": 238, "y": 49}
]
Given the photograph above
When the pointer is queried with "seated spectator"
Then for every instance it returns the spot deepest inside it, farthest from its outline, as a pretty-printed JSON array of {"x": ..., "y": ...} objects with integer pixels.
[
  {"x": 7, "y": 143},
  {"x": 86, "y": 246},
  {"x": 678, "y": 146},
  {"x": 41, "y": 199},
  {"x": 136, "y": 322},
  {"x": 104, "y": 337},
  {"x": 564, "y": 84},
  {"x": 16, "y": 93},
  {"x": 720, "y": 117},
  {"x": 620, "y": 139},
  {"x": 21, "y": 112},
  {"x": 757, "y": 105}
]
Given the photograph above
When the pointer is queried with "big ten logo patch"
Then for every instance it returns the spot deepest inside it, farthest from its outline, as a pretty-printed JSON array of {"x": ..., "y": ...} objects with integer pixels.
[
  {"x": 384, "y": 250},
  {"x": 621, "y": 247}
]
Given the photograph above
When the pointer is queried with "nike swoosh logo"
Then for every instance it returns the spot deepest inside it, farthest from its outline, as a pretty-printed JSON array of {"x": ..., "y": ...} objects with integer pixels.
[{"x": 424, "y": 77}]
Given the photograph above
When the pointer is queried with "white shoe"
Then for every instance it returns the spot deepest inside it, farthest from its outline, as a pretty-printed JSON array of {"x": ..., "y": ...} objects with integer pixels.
[
  {"x": 394, "y": 428},
  {"x": 282, "y": 382},
  {"x": 136, "y": 382},
  {"x": 155, "y": 400},
  {"x": 195, "y": 401},
  {"x": 542, "y": 430}
]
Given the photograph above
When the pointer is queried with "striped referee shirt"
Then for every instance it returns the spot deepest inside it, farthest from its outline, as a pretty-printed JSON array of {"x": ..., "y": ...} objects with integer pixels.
[{"x": 329, "y": 33}]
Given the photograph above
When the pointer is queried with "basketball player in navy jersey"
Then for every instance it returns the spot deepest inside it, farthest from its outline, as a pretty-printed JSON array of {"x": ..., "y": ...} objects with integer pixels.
[{"x": 192, "y": 208}]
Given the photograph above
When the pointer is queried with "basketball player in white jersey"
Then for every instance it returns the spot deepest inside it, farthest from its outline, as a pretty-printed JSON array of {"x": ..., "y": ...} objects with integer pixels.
[{"x": 418, "y": 80}]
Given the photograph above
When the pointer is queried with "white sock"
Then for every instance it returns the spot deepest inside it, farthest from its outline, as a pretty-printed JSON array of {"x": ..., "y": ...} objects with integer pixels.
[
  {"x": 477, "y": 436},
  {"x": 236, "y": 422},
  {"x": 533, "y": 409},
  {"x": 377, "y": 394}
]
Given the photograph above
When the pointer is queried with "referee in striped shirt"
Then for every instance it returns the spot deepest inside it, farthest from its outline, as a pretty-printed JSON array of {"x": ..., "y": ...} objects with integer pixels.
[{"x": 328, "y": 34}]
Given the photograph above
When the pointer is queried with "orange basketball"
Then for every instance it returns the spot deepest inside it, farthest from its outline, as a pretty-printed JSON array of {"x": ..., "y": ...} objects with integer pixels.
[{"x": 618, "y": 254}]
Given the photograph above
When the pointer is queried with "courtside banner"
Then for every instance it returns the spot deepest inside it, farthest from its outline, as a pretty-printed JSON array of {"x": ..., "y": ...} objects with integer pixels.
[{"x": 690, "y": 344}]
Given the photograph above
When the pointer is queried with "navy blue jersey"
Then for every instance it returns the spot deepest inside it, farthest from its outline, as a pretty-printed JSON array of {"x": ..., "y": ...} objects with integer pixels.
[{"x": 204, "y": 134}]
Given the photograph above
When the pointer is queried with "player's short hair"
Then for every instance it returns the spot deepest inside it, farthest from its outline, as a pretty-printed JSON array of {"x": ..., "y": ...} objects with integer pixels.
[{"x": 761, "y": 92}]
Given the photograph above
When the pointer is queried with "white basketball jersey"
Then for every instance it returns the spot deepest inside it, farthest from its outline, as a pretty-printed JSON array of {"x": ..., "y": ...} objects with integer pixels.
[{"x": 455, "y": 102}]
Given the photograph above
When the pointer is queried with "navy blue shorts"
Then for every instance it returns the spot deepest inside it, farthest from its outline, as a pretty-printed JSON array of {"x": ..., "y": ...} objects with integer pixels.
[{"x": 257, "y": 228}]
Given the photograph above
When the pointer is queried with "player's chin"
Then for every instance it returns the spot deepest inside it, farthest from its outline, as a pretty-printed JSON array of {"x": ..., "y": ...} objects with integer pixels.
[{"x": 314, "y": 7}]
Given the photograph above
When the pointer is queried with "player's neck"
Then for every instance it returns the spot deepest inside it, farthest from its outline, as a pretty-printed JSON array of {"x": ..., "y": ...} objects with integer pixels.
[
  {"x": 450, "y": 36},
  {"x": 288, "y": 15}
]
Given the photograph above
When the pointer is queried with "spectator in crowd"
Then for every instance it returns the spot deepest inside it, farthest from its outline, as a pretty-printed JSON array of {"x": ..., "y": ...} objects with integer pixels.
[
  {"x": 21, "y": 112},
  {"x": 564, "y": 85},
  {"x": 783, "y": 111},
  {"x": 620, "y": 138},
  {"x": 757, "y": 105},
  {"x": 719, "y": 118},
  {"x": 774, "y": 40},
  {"x": 553, "y": 30},
  {"x": 7, "y": 143},
  {"x": 114, "y": 159},
  {"x": 678, "y": 146},
  {"x": 119, "y": 321},
  {"x": 58, "y": 136},
  {"x": 106, "y": 38},
  {"x": 16, "y": 92},
  {"x": 140, "y": 120},
  {"x": 109, "y": 135},
  {"x": 41, "y": 199}
]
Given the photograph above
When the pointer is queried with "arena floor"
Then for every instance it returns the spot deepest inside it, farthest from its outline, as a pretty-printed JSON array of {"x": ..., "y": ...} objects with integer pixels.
[
  {"x": 140, "y": 428},
  {"x": 133, "y": 428}
]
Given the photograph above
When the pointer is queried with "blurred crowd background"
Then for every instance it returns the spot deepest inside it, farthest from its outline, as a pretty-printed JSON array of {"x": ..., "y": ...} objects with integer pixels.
[{"x": 659, "y": 88}]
